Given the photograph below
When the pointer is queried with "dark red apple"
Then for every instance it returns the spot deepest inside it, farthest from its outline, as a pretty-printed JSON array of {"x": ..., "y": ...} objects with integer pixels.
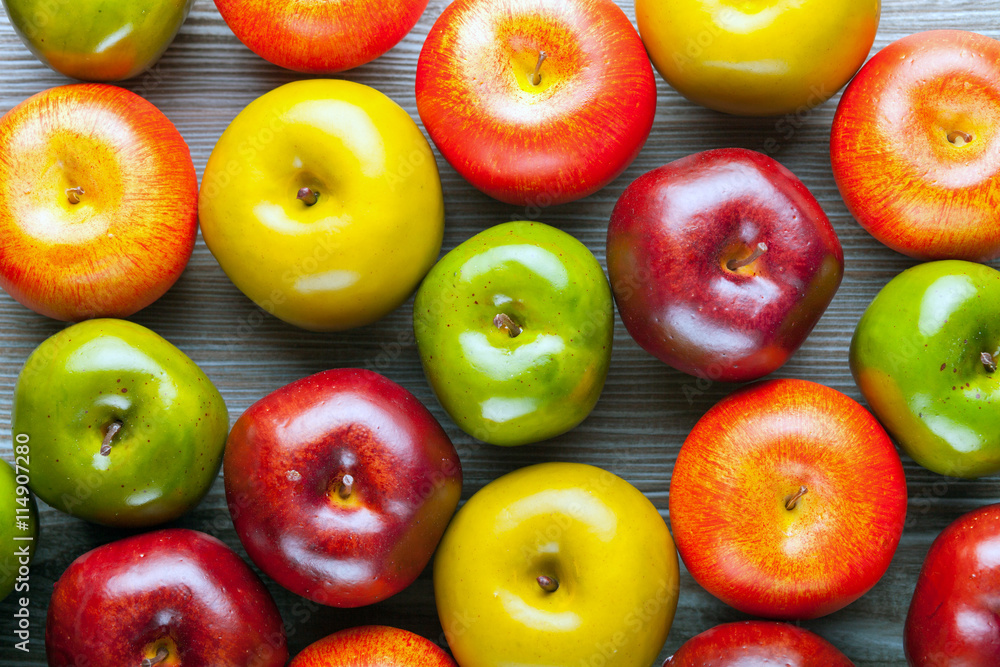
[
  {"x": 757, "y": 644},
  {"x": 340, "y": 486},
  {"x": 170, "y": 598},
  {"x": 722, "y": 263},
  {"x": 954, "y": 617}
]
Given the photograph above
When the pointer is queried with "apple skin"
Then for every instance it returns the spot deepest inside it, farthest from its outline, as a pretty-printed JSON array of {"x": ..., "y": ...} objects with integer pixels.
[
  {"x": 177, "y": 589},
  {"x": 129, "y": 238},
  {"x": 320, "y": 37},
  {"x": 526, "y": 144},
  {"x": 917, "y": 356},
  {"x": 757, "y": 644},
  {"x": 18, "y": 526},
  {"x": 372, "y": 234},
  {"x": 98, "y": 40},
  {"x": 594, "y": 534},
  {"x": 746, "y": 459},
  {"x": 900, "y": 175},
  {"x": 165, "y": 456},
  {"x": 952, "y": 616},
  {"x": 674, "y": 230},
  {"x": 516, "y": 390},
  {"x": 285, "y": 462},
  {"x": 372, "y": 646}
]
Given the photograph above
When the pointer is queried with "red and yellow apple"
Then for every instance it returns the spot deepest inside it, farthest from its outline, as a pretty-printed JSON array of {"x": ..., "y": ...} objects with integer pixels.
[
  {"x": 536, "y": 102},
  {"x": 98, "y": 202},
  {"x": 372, "y": 646},
  {"x": 757, "y": 644},
  {"x": 916, "y": 146},
  {"x": 787, "y": 500}
]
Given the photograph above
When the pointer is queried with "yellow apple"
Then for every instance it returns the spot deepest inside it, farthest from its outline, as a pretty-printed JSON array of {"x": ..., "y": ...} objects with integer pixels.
[
  {"x": 557, "y": 564},
  {"x": 322, "y": 203},
  {"x": 758, "y": 57}
]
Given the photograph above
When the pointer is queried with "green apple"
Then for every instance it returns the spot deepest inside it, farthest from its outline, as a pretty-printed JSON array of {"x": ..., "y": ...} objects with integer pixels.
[
  {"x": 18, "y": 521},
  {"x": 123, "y": 428},
  {"x": 925, "y": 356},
  {"x": 514, "y": 329},
  {"x": 97, "y": 40}
]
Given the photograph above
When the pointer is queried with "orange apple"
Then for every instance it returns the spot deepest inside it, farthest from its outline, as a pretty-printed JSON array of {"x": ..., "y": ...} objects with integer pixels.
[
  {"x": 916, "y": 146},
  {"x": 98, "y": 202},
  {"x": 372, "y": 646},
  {"x": 787, "y": 500}
]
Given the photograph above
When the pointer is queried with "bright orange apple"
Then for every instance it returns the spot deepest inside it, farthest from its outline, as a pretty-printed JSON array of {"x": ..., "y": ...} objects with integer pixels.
[
  {"x": 372, "y": 646},
  {"x": 98, "y": 202}
]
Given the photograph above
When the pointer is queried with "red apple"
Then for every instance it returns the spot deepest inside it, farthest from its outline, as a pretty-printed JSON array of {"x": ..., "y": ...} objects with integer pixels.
[
  {"x": 372, "y": 646},
  {"x": 170, "y": 598},
  {"x": 787, "y": 500},
  {"x": 916, "y": 146},
  {"x": 722, "y": 263},
  {"x": 340, "y": 486},
  {"x": 320, "y": 36},
  {"x": 536, "y": 102},
  {"x": 98, "y": 202},
  {"x": 756, "y": 643},
  {"x": 953, "y": 614}
]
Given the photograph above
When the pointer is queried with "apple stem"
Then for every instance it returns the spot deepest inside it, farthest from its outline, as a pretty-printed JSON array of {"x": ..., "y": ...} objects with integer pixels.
[
  {"x": 307, "y": 196},
  {"x": 536, "y": 76},
  {"x": 735, "y": 264},
  {"x": 504, "y": 323},
  {"x": 989, "y": 362},
  {"x": 548, "y": 584},
  {"x": 161, "y": 655},
  {"x": 793, "y": 502},
  {"x": 959, "y": 138},
  {"x": 109, "y": 434},
  {"x": 74, "y": 194},
  {"x": 346, "y": 487}
]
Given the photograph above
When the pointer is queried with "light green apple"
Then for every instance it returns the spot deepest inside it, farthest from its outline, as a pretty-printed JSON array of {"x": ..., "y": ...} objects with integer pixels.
[{"x": 18, "y": 522}]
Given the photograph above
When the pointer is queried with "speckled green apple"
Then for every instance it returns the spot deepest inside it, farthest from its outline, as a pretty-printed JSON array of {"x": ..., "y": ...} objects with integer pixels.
[
  {"x": 124, "y": 429},
  {"x": 18, "y": 524},
  {"x": 514, "y": 329},
  {"x": 925, "y": 356},
  {"x": 98, "y": 40}
]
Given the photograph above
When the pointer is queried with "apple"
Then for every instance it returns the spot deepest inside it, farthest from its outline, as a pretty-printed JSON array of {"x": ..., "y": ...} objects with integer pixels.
[
  {"x": 915, "y": 146},
  {"x": 98, "y": 202},
  {"x": 18, "y": 524},
  {"x": 787, "y": 500},
  {"x": 322, "y": 203},
  {"x": 372, "y": 646},
  {"x": 925, "y": 357},
  {"x": 514, "y": 329},
  {"x": 123, "y": 428},
  {"x": 953, "y": 612},
  {"x": 556, "y": 564},
  {"x": 722, "y": 263},
  {"x": 169, "y": 598},
  {"x": 340, "y": 486},
  {"x": 753, "y": 643},
  {"x": 536, "y": 102},
  {"x": 758, "y": 58},
  {"x": 320, "y": 37}
]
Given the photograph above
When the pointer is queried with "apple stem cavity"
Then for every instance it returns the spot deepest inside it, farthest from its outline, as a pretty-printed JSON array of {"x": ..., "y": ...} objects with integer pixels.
[
  {"x": 735, "y": 264},
  {"x": 74, "y": 194},
  {"x": 346, "y": 487},
  {"x": 160, "y": 656},
  {"x": 959, "y": 138},
  {"x": 109, "y": 435},
  {"x": 548, "y": 584},
  {"x": 989, "y": 362},
  {"x": 536, "y": 76},
  {"x": 793, "y": 501},
  {"x": 504, "y": 323},
  {"x": 307, "y": 196}
]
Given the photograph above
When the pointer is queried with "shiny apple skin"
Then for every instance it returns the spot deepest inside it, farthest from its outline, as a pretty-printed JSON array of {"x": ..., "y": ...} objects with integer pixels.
[
  {"x": 536, "y": 146},
  {"x": 372, "y": 646},
  {"x": 127, "y": 242},
  {"x": 757, "y": 644},
  {"x": 900, "y": 176},
  {"x": 745, "y": 459},
  {"x": 285, "y": 459},
  {"x": 320, "y": 37},
  {"x": 671, "y": 234},
  {"x": 952, "y": 620},
  {"x": 119, "y": 603}
]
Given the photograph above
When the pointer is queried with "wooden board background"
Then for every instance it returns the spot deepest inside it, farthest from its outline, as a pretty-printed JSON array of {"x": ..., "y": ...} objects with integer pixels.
[{"x": 207, "y": 77}]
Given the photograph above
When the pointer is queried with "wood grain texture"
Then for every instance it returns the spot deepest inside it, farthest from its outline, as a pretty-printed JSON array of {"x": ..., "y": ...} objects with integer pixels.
[{"x": 646, "y": 411}]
